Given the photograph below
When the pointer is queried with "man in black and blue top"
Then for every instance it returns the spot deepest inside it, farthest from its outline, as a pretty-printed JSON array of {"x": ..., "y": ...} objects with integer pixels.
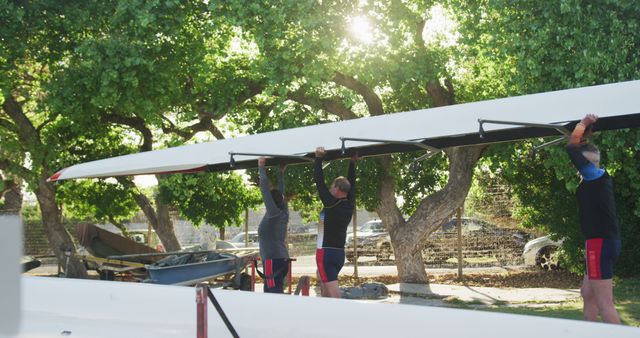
[
  {"x": 339, "y": 203},
  {"x": 599, "y": 224},
  {"x": 272, "y": 231}
]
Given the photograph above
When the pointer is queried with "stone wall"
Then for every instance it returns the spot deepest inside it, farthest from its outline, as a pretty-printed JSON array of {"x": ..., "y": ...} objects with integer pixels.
[{"x": 36, "y": 243}]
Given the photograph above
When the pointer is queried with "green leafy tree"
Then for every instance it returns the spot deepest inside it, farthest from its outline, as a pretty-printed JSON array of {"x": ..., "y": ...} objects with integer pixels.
[
  {"x": 99, "y": 201},
  {"x": 315, "y": 69},
  {"x": 217, "y": 199},
  {"x": 538, "y": 46},
  {"x": 74, "y": 73},
  {"x": 162, "y": 72},
  {"x": 36, "y": 38}
]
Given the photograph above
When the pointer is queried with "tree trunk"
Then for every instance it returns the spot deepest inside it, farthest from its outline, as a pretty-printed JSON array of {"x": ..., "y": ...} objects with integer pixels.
[
  {"x": 165, "y": 229},
  {"x": 157, "y": 217},
  {"x": 123, "y": 228},
  {"x": 407, "y": 250},
  {"x": 161, "y": 224},
  {"x": 408, "y": 237},
  {"x": 59, "y": 238},
  {"x": 12, "y": 197},
  {"x": 222, "y": 235},
  {"x": 409, "y": 261}
]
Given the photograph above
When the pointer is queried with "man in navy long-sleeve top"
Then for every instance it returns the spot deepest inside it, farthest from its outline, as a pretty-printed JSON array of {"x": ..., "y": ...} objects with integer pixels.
[
  {"x": 598, "y": 222},
  {"x": 339, "y": 203}
]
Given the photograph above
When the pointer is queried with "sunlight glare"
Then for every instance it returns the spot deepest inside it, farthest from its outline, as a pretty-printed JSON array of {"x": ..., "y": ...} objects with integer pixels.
[
  {"x": 440, "y": 28},
  {"x": 360, "y": 28}
]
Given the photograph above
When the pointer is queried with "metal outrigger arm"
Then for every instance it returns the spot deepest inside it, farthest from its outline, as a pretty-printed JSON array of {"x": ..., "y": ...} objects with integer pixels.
[
  {"x": 413, "y": 143},
  {"x": 232, "y": 160},
  {"x": 561, "y": 129},
  {"x": 415, "y": 164},
  {"x": 430, "y": 150},
  {"x": 535, "y": 148}
]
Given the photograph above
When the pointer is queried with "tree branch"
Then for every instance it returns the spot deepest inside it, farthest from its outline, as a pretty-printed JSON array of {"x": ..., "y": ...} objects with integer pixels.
[
  {"x": 47, "y": 121},
  {"x": 387, "y": 206},
  {"x": 7, "y": 165},
  {"x": 438, "y": 206},
  {"x": 169, "y": 127},
  {"x": 8, "y": 125},
  {"x": 370, "y": 97},
  {"x": 142, "y": 200},
  {"x": 205, "y": 123},
  {"x": 440, "y": 95},
  {"x": 213, "y": 129},
  {"x": 419, "y": 38},
  {"x": 205, "y": 116},
  {"x": 120, "y": 226},
  {"x": 26, "y": 132},
  {"x": 333, "y": 106},
  {"x": 136, "y": 123}
]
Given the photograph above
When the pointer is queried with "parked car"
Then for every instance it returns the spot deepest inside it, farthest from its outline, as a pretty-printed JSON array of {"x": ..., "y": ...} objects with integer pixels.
[
  {"x": 373, "y": 240},
  {"x": 542, "y": 252},
  {"x": 29, "y": 263},
  {"x": 302, "y": 229},
  {"x": 478, "y": 226},
  {"x": 237, "y": 241},
  {"x": 480, "y": 239},
  {"x": 142, "y": 236}
]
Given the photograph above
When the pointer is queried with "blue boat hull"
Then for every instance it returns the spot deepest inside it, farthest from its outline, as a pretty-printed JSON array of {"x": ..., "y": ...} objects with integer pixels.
[{"x": 192, "y": 273}]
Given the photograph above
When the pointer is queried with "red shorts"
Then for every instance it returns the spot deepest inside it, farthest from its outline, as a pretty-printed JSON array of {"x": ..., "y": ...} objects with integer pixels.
[
  {"x": 330, "y": 262},
  {"x": 601, "y": 254}
]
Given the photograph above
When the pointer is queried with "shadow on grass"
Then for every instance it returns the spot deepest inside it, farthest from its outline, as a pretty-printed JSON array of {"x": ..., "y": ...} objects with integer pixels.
[
  {"x": 565, "y": 312},
  {"x": 627, "y": 295}
]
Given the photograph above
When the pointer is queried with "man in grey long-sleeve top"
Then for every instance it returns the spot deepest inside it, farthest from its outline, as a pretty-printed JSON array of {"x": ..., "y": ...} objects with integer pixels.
[{"x": 272, "y": 231}]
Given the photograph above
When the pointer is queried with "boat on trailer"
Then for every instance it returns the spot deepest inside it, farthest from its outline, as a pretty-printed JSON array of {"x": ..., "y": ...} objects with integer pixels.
[
  {"x": 101, "y": 244},
  {"x": 104, "y": 243},
  {"x": 190, "y": 268},
  {"x": 112, "y": 254}
]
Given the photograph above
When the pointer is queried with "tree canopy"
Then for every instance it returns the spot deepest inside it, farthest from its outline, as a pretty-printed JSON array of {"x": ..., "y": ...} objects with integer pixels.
[
  {"x": 84, "y": 80},
  {"x": 217, "y": 199},
  {"x": 535, "y": 47}
]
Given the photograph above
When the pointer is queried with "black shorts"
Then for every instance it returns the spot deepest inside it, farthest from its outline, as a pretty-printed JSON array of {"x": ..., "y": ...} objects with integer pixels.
[
  {"x": 601, "y": 254},
  {"x": 330, "y": 262}
]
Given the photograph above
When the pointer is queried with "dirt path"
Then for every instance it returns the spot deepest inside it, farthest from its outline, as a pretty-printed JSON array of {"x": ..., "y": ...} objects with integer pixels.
[
  {"x": 514, "y": 285},
  {"x": 306, "y": 265}
]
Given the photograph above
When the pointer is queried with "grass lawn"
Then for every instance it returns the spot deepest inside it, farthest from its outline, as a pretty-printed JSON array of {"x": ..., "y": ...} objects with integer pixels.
[{"x": 627, "y": 295}]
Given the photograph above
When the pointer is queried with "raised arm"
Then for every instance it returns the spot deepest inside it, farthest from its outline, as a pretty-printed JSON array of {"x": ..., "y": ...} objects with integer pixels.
[
  {"x": 573, "y": 148},
  {"x": 269, "y": 203},
  {"x": 281, "y": 178},
  {"x": 318, "y": 177},
  {"x": 351, "y": 176},
  {"x": 581, "y": 127}
]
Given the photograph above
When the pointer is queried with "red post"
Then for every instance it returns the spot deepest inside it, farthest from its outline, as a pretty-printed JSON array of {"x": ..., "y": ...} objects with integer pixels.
[
  {"x": 201, "y": 305},
  {"x": 290, "y": 274},
  {"x": 289, "y": 278},
  {"x": 305, "y": 288},
  {"x": 253, "y": 275}
]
